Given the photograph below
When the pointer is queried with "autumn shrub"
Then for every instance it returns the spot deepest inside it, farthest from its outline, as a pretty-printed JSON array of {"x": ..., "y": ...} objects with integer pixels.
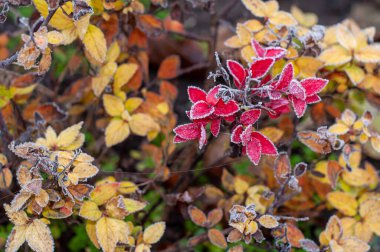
[{"x": 276, "y": 149}]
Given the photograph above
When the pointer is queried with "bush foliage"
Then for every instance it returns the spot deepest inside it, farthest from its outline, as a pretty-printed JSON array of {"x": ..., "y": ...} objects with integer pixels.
[{"x": 276, "y": 149}]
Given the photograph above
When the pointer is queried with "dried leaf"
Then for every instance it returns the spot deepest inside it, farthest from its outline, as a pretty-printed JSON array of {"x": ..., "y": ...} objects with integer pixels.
[
  {"x": 154, "y": 232},
  {"x": 217, "y": 238}
]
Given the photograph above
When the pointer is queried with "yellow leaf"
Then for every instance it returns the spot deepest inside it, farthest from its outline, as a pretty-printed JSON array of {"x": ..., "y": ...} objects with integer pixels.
[
  {"x": 38, "y": 236},
  {"x": 127, "y": 187},
  {"x": 132, "y": 104},
  {"x": 273, "y": 133},
  {"x": 116, "y": 132},
  {"x": 71, "y": 138},
  {"x": 55, "y": 37},
  {"x": 95, "y": 43},
  {"x": 333, "y": 231},
  {"x": 306, "y": 19},
  {"x": 355, "y": 74},
  {"x": 282, "y": 18},
  {"x": 247, "y": 53},
  {"x": 243, "y": 34},
  {"x": 368, "y": 54},
  {"x": 353, "y": 244},
  {"x": 240, "y": 185},
  {"x": 69, "y": 35},
  {"x": 16, "y": 238},
  {"x": 99, "y": 83},
  {"x": 163, "y": 108},
  {"x": 124, "y": 74},
  {"x": 348, "y": 117},
  {"x": 113, "y": 52},
  {"x": 113, "y": 105},
  {"x": 345, "y": 38},
  {"x": 308, "y": 66},
  {"x": 260, "y": 8},
  {"x": 110, "y": 231},
  {"x": 253, "y": 25},
  {"x": 133, "y": 206},
  {"x": 339, "y": 129},
  {"x": 233, "y": 42},
  {"x": 16, "y": 217},
  {"x": 141, "y": 124},
  {"x": 82, "y": 25},
  {"x": 375, "y": 142},
  {"x": 60, "y": 19},
  {"x": 42, "y": 199},
  {"x": 85, "y": 170},
  {"x": 251, "y": 228},
  {"x": 335, "y": 56},
  {"x": 154, "y": 232},
  {"x": 91, "y": 232},
  {"x": 90, "y": 211},
  {"x": 102, "y": 193},
  {"x": 344, "y": 202}
]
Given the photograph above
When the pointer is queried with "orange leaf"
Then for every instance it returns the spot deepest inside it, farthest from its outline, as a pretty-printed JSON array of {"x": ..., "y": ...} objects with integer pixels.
[
  {"x": 217, "y": 238},
  {"x": 169, "y": 67}
]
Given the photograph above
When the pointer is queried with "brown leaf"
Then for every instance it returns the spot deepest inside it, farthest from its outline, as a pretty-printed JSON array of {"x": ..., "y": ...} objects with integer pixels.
[
  {"x": 197, "y": 216},
  {"x": 169, "y": 67},
  {"x": 282, "y": 167},
  {"x": 294, "y": 235},
  {"x": 168, "y": 90},
  {"x": 151, "y": 25},
  {"x": 5, "y": 178},
  {"x": 314, "y": 141},
  {"x": 217, "y": 238},
  {"x": 234, "y": 236},
  {"x": 80, "y": 191},
  {"x": 214, "y": 216},
  {"x": 333, "y": 171},
  {"x": 49, "y": 111},
  {"x": 268, "y": 221}
]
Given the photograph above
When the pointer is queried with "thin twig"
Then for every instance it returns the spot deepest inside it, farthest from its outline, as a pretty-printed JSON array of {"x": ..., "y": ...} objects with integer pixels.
[{"x": 8, "y": 61}]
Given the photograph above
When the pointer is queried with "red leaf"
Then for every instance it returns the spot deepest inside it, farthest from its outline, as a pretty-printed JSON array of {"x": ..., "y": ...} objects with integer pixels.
[
  {"x": 259, "y": 50},
  {"x": 278, "y": 107},
  {"x": 246, "y": 135},
  {"x": 201, "y": 110},
  {"x": 313, "y": 85},
  {"x": 267, "y": 146},
  {"x": 238, "y": 72},
  {"x": 297, "y": 90},
  {"x": 203, "y": 137},
  {"x": 211, "y": 96},
  {"x": 253, "y": 150},
  {"x": 285, "y": 78},
  {"x": 274, "y": 95},
  {"x": 226, "y": 109},
  {"x": 215, "y": 127},
  {"x": 188, "y": 131},
  {"x": 313, "y": 99},
  {"x": 178, "y": 139},
  {"x": 250, "y": 116},
  {"x": 298, "y": 105},
  {"x": 196, "y": 94},
  {"x": 229, "y": 118},
  {"x": 275, "y": 52},
  {"x": 260, "y": 67},
  {"x": 236, "y": 134}
]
